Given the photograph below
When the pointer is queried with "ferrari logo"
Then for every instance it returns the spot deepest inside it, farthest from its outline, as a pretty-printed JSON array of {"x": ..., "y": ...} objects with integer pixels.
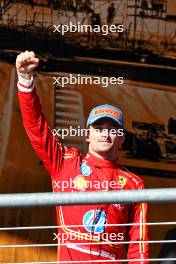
[{"x": 122, "y": 180}]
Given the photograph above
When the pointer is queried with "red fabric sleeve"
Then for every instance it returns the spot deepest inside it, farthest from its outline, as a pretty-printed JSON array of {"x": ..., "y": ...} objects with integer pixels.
[
  {"x": 45, "y": 144},
  {"x": 139, "y": 232}
]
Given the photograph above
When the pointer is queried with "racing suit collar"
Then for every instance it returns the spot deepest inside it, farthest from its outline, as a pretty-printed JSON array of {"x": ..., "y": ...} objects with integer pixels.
[{"x": 98, "y": 162}]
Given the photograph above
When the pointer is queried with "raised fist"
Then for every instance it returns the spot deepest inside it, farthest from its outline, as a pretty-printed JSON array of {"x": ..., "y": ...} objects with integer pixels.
[{"x": 26, "y": 62}]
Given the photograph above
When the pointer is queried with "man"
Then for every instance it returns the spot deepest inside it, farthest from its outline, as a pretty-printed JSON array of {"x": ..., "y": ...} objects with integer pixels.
[
  {"x": 89, "y": 233},
  {"x": 144, "y": 5},
  {"x": 111, "y": 14}
]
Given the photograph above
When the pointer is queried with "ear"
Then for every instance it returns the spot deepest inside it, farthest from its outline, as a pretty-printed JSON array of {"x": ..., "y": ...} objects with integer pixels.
[
  {"x": 121, "y": 139},
  {"x": 87, "y": 139}
]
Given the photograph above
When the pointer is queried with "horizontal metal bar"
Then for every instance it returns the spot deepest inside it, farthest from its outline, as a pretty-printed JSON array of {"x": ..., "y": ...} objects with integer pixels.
[
  {"x": 79, "y": 198},
  {"x": 72, "y": 115},
  {"x": 67, "y": 106},
  {"x": 20, "y": 228},
  {"x": 66, "y": 90},
  {"x": 88, "y": 243},
  {"x": 95, "y": 261},
  {"x": 66, "y": 97},
  {"x": 65, "y": 121}
]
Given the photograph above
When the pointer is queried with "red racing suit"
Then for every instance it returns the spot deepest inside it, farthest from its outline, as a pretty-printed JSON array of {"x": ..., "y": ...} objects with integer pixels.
[{"x": 89, "y": 232}]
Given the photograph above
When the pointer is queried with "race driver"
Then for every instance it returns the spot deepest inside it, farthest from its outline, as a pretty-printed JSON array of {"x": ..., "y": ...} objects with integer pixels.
[{"x": 92, "y": 233}]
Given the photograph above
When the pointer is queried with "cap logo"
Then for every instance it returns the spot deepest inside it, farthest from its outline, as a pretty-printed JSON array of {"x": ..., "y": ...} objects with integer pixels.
[{"x": 106, "y": 111}]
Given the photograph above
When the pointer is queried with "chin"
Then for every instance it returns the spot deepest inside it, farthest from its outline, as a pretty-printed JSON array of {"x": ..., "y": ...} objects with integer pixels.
[{"x": 104, "y": 150}]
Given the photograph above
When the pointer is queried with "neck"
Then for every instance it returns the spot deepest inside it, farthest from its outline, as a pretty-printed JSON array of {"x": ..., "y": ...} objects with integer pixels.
[{"x": 104, "y": 155}]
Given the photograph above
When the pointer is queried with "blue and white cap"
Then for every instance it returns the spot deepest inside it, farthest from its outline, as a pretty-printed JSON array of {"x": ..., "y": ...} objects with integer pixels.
[{"x": 106, "y": 111}]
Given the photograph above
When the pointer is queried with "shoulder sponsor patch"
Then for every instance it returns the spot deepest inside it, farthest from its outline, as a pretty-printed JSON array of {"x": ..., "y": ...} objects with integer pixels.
[
  {"x": 80, "y": 183},
  {"x": 85, "y": 169}
]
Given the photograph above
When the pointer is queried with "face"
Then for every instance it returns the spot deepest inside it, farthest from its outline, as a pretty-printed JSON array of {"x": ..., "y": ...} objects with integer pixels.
[{"x": 104, "y": 138}]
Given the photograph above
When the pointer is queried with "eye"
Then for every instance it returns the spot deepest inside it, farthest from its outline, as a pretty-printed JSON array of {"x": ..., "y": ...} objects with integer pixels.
[
  {"x": 98, "y": 129},
  {"x": 112, "y": 130}
]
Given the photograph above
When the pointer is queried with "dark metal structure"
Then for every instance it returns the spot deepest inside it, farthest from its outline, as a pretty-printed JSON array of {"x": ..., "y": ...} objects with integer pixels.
[{"x": 148, "y": 36}]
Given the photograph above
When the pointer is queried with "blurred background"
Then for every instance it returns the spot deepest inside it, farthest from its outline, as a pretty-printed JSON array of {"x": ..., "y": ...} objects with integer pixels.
[{"x": 144, "y": 54}]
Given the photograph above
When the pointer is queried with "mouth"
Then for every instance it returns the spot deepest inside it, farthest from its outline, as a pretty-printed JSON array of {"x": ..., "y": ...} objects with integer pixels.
[{"x": 105, "y": 141}]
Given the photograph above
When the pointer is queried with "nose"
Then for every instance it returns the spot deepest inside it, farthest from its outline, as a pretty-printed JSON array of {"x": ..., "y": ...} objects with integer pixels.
[{"x": 105, "y": 132}]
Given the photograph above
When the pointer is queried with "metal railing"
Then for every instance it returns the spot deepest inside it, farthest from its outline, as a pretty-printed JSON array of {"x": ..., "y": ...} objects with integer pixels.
[
  {"x": 80, "y": 198},
  {"x": 84, "y": 198}
]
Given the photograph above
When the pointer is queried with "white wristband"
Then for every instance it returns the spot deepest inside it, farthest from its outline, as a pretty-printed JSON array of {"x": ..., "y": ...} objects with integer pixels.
[{"x": 25, "y": 85}]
